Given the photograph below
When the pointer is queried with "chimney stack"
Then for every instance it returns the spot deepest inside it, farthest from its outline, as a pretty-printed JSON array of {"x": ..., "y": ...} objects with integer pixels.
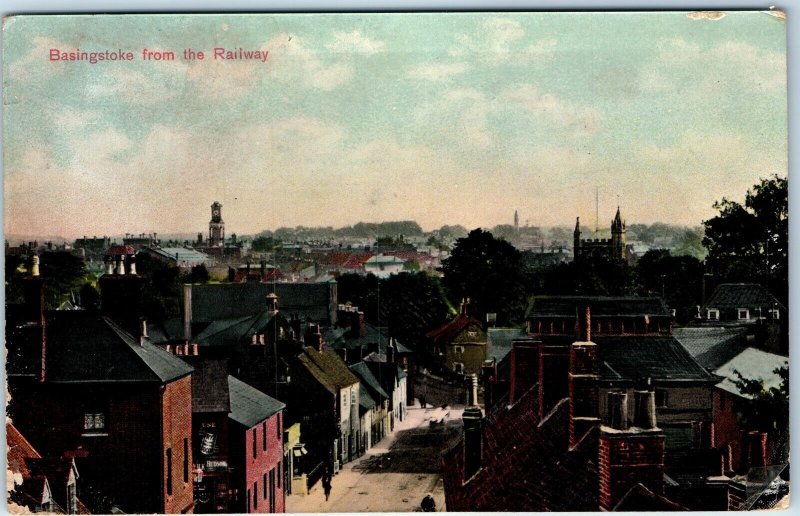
[
  {"x": 583, "y": 377},
  {"x": 272, "y": 302},
  {"x": 35, "y": 266},
  {"x": 133, "y": 266},
  {"x": 524, "y": 368},
  {"x": 754, "y": 450},
  {"x": 473, "y": 431},
  {"x": 707, "y": 434},
  {"x": 489, "y": 373}
]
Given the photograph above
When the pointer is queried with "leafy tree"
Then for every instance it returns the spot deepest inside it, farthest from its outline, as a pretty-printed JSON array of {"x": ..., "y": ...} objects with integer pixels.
[
  {"x": 677, "y": 279},
  {"x": 264, "y": 243},
  {"x": 592, "y": 276},
  {"x": 199, "y": 274},
  {"x": 488, "y": 271},
  {"x": 411, "y": 304},
  {"x": 690, "y": 243},
  {"x": 65, "y": 274},
  {"x": 89, "y": 297},
  {"x": 768, "y": 409},
  {"x": 750, "y": 241},
  {"x": 162, "y": 290}
]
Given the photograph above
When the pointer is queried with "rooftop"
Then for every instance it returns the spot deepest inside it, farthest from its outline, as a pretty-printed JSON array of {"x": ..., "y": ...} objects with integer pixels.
[
  {"x": 742, "y": 295},
  {"x": 660, "y": 358},
  {"x": 714, "y": 345},
  {"x": 249, "y": 406},
  {"x": 601, "y": 306},
  {"x": 753, "y": 364}
]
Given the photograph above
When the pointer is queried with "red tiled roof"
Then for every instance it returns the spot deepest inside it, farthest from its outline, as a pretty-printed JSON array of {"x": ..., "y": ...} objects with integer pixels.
[
  {"x": 18, "y": 450},
  {"x": 120, "y": 249},
  {"x": 449, "y": 330}
]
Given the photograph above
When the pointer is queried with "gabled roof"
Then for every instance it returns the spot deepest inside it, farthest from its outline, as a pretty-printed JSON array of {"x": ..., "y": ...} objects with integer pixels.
[
  {"x": 742, "y": 295},
  {"x": 365, "y": 400},
  {"x": 753, "y": 364},
  {"x": 249, "y": 406},
  {"x": 170, "y": 330},
  {"x": 641, "y": 499},
  {"x": 372, "y": 335},
  {"x": 660, "y": 358},
  {"x": 327, "y": 368},
  {"x": 601, "y": 306},
  {"x": 210, "y": 391},
  {"x": 498, "y": 341},
  {"x": 18, "y": 450},
  {"x": 450, "y": 330},
  {"x": 225, "y": 331},
  {"x": 388, "y": 374},
  {"x": 712, "y": 346},
  {"x": 87, "y": 347},
  {"x": 369, "y": 381}
]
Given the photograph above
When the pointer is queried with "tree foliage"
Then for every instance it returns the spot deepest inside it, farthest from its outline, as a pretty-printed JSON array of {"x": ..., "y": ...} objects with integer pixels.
[
  {"x": 768, "y": 408},
  {"x": 488, "y": 271},
  {"x": 677, "y": 279},
  {"x": 750, "y": 241}
]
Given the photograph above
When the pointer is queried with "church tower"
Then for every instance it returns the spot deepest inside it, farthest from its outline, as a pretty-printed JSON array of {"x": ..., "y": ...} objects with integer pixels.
[
  {"x": 619, "y": 247},
  {"x": 216, "y": 228},
  {"x": 516, "y": 220},
  {"x": 576, "y": 239}
]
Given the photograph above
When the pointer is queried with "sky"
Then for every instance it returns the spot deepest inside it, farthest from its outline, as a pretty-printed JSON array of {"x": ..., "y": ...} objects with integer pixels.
[{"x": 458, "y": 118}]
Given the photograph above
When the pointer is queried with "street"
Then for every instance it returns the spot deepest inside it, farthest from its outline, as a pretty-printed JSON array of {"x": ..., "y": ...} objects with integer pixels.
[{"x": 396, "y": 473}]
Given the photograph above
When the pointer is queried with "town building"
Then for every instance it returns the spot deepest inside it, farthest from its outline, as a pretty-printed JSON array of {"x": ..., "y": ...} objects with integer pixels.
[
  {"x": 325, "y": 398},
  {"x": 730, "y": 404},
  {"x": 615, "y": 249},
  {"x": 750, "y": 306},
  {"x": 574, "y": 440},
  {"x": 91, "y": 386},
  {"x": 40, "y": 484},
  {"x": 182, "y": 257},
  {"x": 460, "y": 344},
  {"x": 383, "y": 266},
  {"x": 380, "y": 420},
  {"x": 393, "y": 381}
]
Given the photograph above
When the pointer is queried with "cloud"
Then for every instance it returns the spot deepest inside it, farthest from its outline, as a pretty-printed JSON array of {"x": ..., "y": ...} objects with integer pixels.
[
  {"x": 542, "y": 48},
  {"x": 354, "y": 42},
  {"x": 133, "y": 86},
  {"x": 706, "y": 15},
  {"x": 292, "y": 62},
  {"x": 36, "y": 61},
  {"x": 491, "y": 43},
  {"x": 437, "y": 72},
  {"x": 68, "y": 119},
  {"x": 579, "y": 120}
]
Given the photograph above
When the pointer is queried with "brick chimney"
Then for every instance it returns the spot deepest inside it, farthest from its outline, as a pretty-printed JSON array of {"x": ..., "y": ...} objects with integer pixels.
[
  {"x": 473, "y": 430},
  {"x": 553, "y": 376},
  {"x": 314, "y": 338},
  {"x": 524, "y": 368},
  {"x": 628, "y": 456},
  {"x": 33, "y": 292},
  {"x": 121, "y": 289},
  {"x": 754, "y": 450},
  {"x": 584, "y": 374},
  {"x": 489, "y": 375}
]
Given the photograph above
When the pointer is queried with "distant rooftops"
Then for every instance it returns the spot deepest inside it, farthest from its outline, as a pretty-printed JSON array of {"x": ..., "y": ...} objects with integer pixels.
[
  {"x": 742, "y": 295},
  {"x": 570, "y": 306}
]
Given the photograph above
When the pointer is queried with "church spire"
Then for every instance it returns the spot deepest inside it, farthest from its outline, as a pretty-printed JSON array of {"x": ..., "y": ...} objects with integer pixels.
[{"x": 617, "y": 224}]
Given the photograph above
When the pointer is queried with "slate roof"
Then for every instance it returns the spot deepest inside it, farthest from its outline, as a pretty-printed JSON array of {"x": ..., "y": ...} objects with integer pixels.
[
  {"x": 601, "y": 306},
  {"x": 87, "y": 347},
  {"x": 753, "y": 364},
  {"x": 369, "y": 381},
  {"x": 210, "y": 392},
  {"x": 712, "y": 346},
  {"x": 372, "y": 335},
  {"x": 249, "y": 406},
  {"x": 498, "y": 341},
  {"x": 742, "y": 295},
  {"x": 170, "y": 330},
  {"x": 180, "y": 254},
  {"x": 386, "y": 373},
  {"x": 327, "y": 368},
  {"x": 225, "y": 331},
  {"x": 230, "y": 301},
  {"x": 661, "y": 358},
  {"x": 450, "y": 330},
  {"x": 365, "y": 400}
]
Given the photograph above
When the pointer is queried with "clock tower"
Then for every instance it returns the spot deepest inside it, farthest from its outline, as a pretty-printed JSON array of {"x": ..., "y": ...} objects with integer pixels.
[{"x": 216, "y": 228}]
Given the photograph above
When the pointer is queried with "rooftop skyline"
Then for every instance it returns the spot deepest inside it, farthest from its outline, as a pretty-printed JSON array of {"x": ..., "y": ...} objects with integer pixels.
[{"x": 443, "y": 119}]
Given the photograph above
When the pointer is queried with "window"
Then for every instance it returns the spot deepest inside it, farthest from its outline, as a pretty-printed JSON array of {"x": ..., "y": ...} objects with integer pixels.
[
  {"x": 72, "y": 499},
  {"x": 169, "y": 471},
  {"x": 279, "y": 425},
  {"x": 743, "y": 313},
  {"x": 94, "y": 422},
  {"x": 255, "y": 440},
  {"x": 255, "y": 495},
  {"x": 264, "y": 485},
  {"x": 712, "y": 314},
  {"x": 264, "y": 435},
  {"x": 279, "y": 474},
  {"x": 774, "y": 314},
  {"x": 459, "y": 350},
  {"x": 185, "y": 460},
  {"x": 353, "y": 396},
  {"x": 661, "y": 398},
  {"x": 473, "y": 334},
  {"x": 248, "y": 500}
]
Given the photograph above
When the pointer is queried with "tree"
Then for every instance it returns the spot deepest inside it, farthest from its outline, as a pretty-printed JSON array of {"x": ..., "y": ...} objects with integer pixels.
[
  {"x": 749, "y": 242},
  {"x": 768, "y": 409},
  {"x": 65, "y": 274},
  {"x": 199, "y": 274},
  {"x": 488, "y": 271},
  {"x": 411, "y": 304},
  {"x": 676, "y": 279}
]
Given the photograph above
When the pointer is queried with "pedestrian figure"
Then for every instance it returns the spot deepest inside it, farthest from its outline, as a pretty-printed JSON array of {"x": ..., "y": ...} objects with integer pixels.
[
  {"x": 326, "y": 483},
  {"x": 428, "y": 503},
  {"x": 422, "y": 401}
]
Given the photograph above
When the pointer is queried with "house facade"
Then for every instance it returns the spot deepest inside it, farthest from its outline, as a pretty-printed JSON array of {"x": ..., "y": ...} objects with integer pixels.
[{"x": 460, "y": 343}]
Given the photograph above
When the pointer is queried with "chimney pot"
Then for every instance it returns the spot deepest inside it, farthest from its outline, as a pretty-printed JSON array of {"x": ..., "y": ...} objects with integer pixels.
[
  {"x": 35, "y": 266},
  {"x": 473, "y": 390},
  {"x": 133, "y": 267},
  {"x": 121, "y": 265},
  {"x": 618, "y": 410},
  {"x": 644, "y": 414}
]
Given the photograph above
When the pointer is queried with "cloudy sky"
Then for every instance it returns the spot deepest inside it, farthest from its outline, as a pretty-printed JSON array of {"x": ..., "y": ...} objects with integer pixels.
[{"x": 439, "y": 118}]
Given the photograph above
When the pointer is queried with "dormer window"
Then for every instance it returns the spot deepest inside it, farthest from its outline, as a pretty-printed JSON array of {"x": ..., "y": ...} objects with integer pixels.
[
  {"x": 94, "y": 423},
  {"x": 743, "y": 313},
  {"x": 712, "y": 314},
  {"x": 774, "y": 314},
  {"x": 459, "y": 350}
]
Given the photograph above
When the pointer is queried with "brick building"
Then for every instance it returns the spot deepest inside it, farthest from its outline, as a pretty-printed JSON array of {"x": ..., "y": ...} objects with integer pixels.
[
  {"x": 89, "y": 385},
  {"x": 580, "y": 427},
  {"x": 460, "y": 343}
]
